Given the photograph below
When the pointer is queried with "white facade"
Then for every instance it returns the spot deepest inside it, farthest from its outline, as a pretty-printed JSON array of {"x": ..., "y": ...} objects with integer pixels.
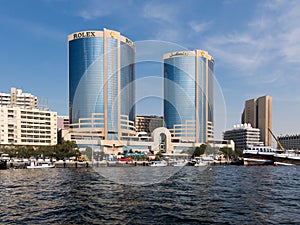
[
  {"x": 27, "y": 126},
  {"x": 19, "y": 99},
  {"x": 243, "y": 135}
]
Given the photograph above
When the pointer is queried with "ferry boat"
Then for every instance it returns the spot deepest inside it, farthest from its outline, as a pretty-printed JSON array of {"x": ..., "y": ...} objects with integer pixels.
[
  {"x": 259, "y": 155},
  {"x": 288, "y": 158},
  {"x": 40, "y": 165}
]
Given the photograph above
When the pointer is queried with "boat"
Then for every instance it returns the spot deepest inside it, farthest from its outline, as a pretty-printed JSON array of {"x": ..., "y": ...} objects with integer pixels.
[
  {"x": 259, "y": 155},
  {"x": 201, "y": 163},
  {"x": 180, "y": 163},
  {"x": 285, "y": 157},
  {"x": 159, "y": 163},
  {"x": 237, "y": 161},
  {"x": 288, "y": 158},
  {"x": 3, "y": 164},
  {"x": 40, "y": 165}
]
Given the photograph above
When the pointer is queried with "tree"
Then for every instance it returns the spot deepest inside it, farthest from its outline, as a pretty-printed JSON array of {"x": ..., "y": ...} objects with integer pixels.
[
  {"x": 228, "y": 152},
  {"x": 200, "y": 150}
]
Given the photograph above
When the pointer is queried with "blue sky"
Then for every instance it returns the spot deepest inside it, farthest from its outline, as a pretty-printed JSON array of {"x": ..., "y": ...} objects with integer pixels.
[{"x": 255, "y": 45}]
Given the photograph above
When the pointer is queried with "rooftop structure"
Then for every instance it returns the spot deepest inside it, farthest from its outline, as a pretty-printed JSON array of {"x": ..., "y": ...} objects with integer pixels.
[{"x": 17, "y": 98}]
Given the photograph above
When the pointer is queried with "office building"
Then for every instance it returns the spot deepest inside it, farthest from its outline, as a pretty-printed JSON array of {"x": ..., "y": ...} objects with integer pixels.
[
  {"x": 258, "y": 112},
  {"x": 16, "y": 97},
  {"x": 27, "y": 126},
  {"x": 243, "y": 135},
  {"x": 148, "y": 123},
  {"x": 188, "y": 95},
  {"x": 290, "y": 141},
  {"x": 101, "y": 87}
]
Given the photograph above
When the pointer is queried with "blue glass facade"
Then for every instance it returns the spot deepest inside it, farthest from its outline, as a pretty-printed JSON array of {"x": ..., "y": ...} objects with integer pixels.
[
  {"x": 100, "y": 66},
  {"x": 86, "y": 78},
  {"x": 188, "y": 94}
]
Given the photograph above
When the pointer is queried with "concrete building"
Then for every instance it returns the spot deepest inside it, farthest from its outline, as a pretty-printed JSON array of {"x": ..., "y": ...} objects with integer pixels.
[
  {"x": 16, "y": 97},
  {"x": 27, "y": 126},
  {"x": 258, "y": 112},
  {"x": 148, "y": 123},
  {"x": 188, "y": 95},
  {"x": 243, "y": 135},
  {"x": 101, "y": 87},
  {"x": 63, "y": 122},
  {"x": 290, "y": 141}
]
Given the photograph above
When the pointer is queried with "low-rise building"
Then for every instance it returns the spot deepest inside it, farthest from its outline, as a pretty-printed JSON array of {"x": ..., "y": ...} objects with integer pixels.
[
  {"x": 243, "y": 135},
  {"x": 290, "y": 141},
  {"x": 25, "y": 126}
]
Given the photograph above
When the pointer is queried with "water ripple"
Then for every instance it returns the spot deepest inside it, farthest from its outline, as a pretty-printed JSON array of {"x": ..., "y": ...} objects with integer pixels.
[{"x": 220, "y": 195}]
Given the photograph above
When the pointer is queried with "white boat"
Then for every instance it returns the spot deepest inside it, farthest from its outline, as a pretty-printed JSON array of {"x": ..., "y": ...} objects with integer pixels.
[
  {"x": 159, "y": 163},
  {"x": 259, "y": 155},
  {"x": 40, "y": 165},
  {"x": 180, "y": 163},
  {"x": 201, "y": 163},
  {"x": 288, "y": 158}
]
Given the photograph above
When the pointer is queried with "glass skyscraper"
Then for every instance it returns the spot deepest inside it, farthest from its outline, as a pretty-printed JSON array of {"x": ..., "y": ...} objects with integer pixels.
[
  {"x": 188, "y": 95},
  {"x": 101, "y": 82}
]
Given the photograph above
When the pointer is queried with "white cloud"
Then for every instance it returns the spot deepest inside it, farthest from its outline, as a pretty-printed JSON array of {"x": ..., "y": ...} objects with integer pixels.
[
  {"x": 268, "y": 44},
  {"x": 199, "y": 27},
  {"x": 92, "y": 14},
  {"x": 160, "y": 12}
]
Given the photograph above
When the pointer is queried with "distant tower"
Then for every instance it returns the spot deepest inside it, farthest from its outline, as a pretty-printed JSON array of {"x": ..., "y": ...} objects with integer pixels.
[
  {"x": 258, "y": 112},
  {"x": 188, "y": 95}
]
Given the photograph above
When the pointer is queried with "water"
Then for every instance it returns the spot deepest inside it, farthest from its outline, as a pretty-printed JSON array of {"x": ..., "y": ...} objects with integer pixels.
[{"x": 217, "y": 195}]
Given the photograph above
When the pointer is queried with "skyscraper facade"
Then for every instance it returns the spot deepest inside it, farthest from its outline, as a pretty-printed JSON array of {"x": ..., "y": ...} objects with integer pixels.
[
  {"x": 188, "y": 95},
  {"x": 258, "y": 112},
  {"x": 101, "y": 83}
]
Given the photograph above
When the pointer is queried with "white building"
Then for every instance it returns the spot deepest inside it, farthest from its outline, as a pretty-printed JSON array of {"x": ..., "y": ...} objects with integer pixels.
[
  {"x": 16, "y": 97},
  {"x": 27, "y": 126},
  {"x": 243, "y": 135}
]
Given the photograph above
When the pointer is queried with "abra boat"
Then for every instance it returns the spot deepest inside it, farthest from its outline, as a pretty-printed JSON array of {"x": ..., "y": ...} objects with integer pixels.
[
  {"x": 180, "y": 163},
  {"x": 259, "y": 155},
  {"x": 201, "y": 163},
  {"x": 288, "y": 158},
  {"x": 40, "y": 165},
  {"x": 159, "y": 163}
]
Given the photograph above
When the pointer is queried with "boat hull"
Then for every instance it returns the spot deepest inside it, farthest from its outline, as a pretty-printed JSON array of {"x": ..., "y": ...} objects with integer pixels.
[
  {"x": 258, "y": 161},
  {"x": 3, "y": 164},
  {"x": 287, "y": 160}
]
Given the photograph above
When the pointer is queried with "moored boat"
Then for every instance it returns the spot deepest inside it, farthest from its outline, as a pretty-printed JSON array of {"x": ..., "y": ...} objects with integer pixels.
[
  {"x": 259, "y": 155},
  {"x": 159, "y": 163},
  {"x": 201, "y": 163},
  {"x": 288, "y": 158},
  {"x": 3, "y": 164},
  {"x": 40, "y": 165},
  {"x": 180, "y": 163}
]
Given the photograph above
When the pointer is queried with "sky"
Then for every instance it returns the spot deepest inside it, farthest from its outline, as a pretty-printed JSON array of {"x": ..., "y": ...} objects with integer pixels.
[{"x": 255, "y": 45}]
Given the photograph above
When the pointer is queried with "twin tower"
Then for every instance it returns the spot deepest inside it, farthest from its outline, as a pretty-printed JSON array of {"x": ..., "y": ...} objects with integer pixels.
[{"x": 102, "y": 89}]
